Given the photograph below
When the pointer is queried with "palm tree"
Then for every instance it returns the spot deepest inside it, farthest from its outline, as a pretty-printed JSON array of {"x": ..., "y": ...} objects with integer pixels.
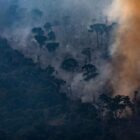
[{"x": 99, "y": 29}]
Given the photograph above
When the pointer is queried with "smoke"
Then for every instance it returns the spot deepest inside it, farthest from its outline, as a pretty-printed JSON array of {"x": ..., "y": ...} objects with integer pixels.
[
  {"x": 126, "y": 49},
  {"x": 72, "y": 38}
]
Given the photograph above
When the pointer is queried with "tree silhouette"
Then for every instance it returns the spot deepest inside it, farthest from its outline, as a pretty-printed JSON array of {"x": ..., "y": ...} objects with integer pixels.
[
  {"x": 136, "y": 101},
  {"x": 50, "y": 70},
  {"x": 87, "y": 53},
  {"x": 115, "y": 106},
  {"x": 45, "y": 37},
  {"x": 37, "y": 31},
  {"x": 51, "y": 36},
  {"x": 48, "y": 26},
  {"x": 39, "y": 35},
  {"x": 89, "y": 72},
  {"x": 69, "y": 64},
  {"x": 41, "y": 39},
  {"x": 52, "y": 46},
  {"x": 99, "y": 29}
]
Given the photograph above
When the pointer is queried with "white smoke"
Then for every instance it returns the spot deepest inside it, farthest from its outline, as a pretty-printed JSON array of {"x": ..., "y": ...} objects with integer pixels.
[{"x": 72, "y": 40}]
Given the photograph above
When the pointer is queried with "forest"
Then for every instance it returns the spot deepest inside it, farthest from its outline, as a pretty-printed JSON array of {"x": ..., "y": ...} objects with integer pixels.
[{"x": 55, "y": 73}]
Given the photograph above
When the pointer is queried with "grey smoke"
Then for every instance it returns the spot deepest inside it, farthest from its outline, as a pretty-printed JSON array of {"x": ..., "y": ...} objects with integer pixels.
[{"x": 72, "y": 39}]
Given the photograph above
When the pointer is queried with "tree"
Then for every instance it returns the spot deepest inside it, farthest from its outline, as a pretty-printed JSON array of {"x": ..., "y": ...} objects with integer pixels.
[
  {"x": 37, "y": 31},
  {"x": 48, "y": 26},
  {"x": 99, "y": 29},
  {"x": 89, "y": 72},
  {"x": 69, "y": 64},
  {"x": 115, "y": 106},
  {"x": 52, "y": 46},
  {"x": 50, "y": 70},
  {"x": 51, "y": 36},
  {"x": 87, "y": 53},
  {"x": 39, "y": 35},
  {"x": 136, "y": 101},
  {"x": 41, "y": 39},
  {"x": 111, "y": 27},
  {"x": 59, "y": 83}
]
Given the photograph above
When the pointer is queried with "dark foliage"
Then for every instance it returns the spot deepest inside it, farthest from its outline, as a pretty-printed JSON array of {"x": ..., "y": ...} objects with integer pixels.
[
  {"x": 41, "y": 39},
  {"x": 89, "y": 71},
  {"x": 52, "y": 46},
  {"x": 34, "y": 107},
  {"x": 48, "y": 26},
  {"x": 98, "y": 28},
  {"x": 69, "y": 64},
  {"x": 46, "y": 37},
  {"x": 38, "y": 31},
  {"x": 115, "y": 106},
  {"x": 87, "y": 53},
  {"x": 51, "y": 36},
  {"x": 50, "y": 70}
]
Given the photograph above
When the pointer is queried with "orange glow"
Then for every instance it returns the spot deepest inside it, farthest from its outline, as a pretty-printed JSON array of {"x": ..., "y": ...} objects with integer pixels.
[{"x": 126, "y": 59}]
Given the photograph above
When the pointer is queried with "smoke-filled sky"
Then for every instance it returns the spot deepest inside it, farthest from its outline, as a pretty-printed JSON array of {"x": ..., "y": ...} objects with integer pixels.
[
  {"x": 126, "y": 56},
  {"x": 90, "y": 8}
]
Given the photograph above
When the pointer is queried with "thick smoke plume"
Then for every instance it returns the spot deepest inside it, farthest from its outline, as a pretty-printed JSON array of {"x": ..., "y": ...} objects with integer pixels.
[{"x": 126, "y": 50}]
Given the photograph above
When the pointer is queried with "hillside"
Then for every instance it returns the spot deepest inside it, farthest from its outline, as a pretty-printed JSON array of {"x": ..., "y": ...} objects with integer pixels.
[{"x": 31, "y": 106}]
